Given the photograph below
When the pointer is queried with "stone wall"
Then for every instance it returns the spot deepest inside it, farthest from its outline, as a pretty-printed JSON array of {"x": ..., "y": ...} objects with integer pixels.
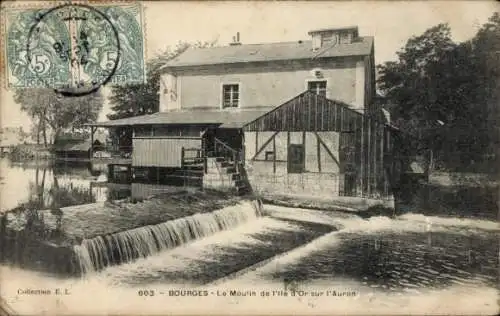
[
  {"x": 264, "y": 181},
  {"x": 321, "y": 176},
  {"x": 217, "y": 177}
]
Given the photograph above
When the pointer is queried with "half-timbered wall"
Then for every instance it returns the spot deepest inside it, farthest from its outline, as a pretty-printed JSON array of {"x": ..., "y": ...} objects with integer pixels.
[
  {"x": 266, "y": 161},
  {"x": 346, "y": 153}
]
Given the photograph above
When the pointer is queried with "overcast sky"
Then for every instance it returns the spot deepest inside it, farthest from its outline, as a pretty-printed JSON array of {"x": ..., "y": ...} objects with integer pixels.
[{"x": 391, "y": 23}]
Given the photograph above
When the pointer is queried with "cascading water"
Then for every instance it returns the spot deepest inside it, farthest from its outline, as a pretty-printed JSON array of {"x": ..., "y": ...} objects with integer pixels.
[{"x": 96, "y": 253}]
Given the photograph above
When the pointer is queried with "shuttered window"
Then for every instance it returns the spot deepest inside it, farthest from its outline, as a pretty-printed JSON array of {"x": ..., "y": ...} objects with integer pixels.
[{"x": 230, "y": 96}]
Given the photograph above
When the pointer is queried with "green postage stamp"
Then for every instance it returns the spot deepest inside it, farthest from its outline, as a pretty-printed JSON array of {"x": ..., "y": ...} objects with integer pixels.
[{"x": 74, "y": 48}]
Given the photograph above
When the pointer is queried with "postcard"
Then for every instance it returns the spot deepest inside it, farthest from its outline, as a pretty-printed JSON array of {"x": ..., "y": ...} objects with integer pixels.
[{"x": 249, "y": 158}]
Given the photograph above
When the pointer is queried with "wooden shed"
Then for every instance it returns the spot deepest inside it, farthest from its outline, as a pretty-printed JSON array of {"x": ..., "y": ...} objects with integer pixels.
[{"x": 314, "y": 145}]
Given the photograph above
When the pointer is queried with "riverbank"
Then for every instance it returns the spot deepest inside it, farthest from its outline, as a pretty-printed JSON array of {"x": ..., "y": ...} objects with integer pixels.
[
  {"x": 446, "y": 194},
  {"x": 89, "y": 220},
  {"x": 44, "y": 240},
  {"x": 24, "y": 152},
  {"x": 362, "y": 207}
]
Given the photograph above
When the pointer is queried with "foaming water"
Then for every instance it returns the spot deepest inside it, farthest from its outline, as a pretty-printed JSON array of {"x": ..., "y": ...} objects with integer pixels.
[
  {"x": 96, "y": 253},
  {"x": 410, "y": 222},
  {"x": 200, "y": 260},
  {"x": 452, "y": 221},
  {"x": 389, "y": 263},
  {"x": 411, "y": 253}
]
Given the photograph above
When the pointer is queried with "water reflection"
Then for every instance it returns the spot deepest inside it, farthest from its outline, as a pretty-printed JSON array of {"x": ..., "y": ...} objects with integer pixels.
[{"x": 49, "y": 185}]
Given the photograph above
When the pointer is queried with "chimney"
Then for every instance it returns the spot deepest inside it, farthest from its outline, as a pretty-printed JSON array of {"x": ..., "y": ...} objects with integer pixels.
[{"x": 236, "y": 40}]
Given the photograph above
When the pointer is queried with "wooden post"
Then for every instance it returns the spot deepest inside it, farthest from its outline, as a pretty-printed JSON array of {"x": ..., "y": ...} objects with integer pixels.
[
  {"x": 430, "y": 168},
  {"x": 182, "y": 157},
  {"x": 110, "y": 172},
  {"x": 287, "y": 150},
  {"x": 368, "y": 160},
  {"x": 274, "y": 154},
  {"x": 92, "y": 131},
  {"x": 242, "y": 152},
  {"x": 318, "y": 150},
  {"x": 256, "y": 142},
  {"x": 3, "y": 234},
  {"x": 304, "y": 153},
  {"x": 362, "y": 155}
]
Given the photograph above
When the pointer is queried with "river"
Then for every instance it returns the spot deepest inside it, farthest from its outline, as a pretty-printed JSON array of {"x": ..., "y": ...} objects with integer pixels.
[{"x": 332, "y": 262}]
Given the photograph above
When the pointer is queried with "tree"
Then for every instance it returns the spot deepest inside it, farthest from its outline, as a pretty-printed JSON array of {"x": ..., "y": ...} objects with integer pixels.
[
  {"x": 52, "y": 113},
  {"x": 437, "y": 80},
  {"x": 141, "y": 99}
]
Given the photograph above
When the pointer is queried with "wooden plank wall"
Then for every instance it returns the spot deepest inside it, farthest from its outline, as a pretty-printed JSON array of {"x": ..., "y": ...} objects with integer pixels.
[
  {"x": 161, "y": 151},
  {"x": 362, "y": 150},
  {"x": 375, "y": 161},
  {"x": 306, "y": 112}
]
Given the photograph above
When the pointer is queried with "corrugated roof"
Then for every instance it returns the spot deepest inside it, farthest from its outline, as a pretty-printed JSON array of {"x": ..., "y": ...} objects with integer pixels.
[
  {"x": 267, "y": 52},
  {"x": 231, "y": 118}
]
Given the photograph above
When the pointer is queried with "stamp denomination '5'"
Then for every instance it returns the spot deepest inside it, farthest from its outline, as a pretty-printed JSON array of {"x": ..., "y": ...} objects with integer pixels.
[{"x": 74, "y": 48}]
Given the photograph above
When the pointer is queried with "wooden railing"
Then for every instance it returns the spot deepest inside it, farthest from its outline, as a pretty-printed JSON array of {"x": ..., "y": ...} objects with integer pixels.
[
  {"x": 224, "y": 150},
  {"x": 193, "y": 156},
  {"x": 190, "y": 156}
]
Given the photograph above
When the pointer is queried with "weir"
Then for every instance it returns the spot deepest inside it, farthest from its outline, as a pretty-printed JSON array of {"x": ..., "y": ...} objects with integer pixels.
[{"x": 99, "y": 252}]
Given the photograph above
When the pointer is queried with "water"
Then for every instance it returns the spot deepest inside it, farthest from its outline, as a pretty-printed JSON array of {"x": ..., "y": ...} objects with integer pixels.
[
  {"x": 48, "y": 185},
  {"x": 391, "y": 265},
  {"x": 99, "y": 252},
  {"x": 398, "y": 265}
]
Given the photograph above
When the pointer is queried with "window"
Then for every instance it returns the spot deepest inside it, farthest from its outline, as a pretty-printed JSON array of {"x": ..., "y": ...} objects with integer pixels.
[
  {"x": 318, "y": 87},
  {"x": 230, "y": 95},
  {"x": 269, "y": 155},
  {"x": 142, "y": 131}
]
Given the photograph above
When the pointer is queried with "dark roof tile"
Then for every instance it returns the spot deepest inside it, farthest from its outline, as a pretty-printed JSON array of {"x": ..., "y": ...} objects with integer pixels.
[
  {"x": 230, "y": 118},
  {"x": 267, "y": 52}
]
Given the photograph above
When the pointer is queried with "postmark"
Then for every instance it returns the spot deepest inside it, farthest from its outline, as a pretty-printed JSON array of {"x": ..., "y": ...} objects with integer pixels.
[{"x": 74, "y": 48}]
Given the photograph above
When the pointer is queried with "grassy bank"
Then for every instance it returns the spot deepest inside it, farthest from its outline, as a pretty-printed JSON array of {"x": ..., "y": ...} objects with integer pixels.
[
  {"x": 30, "y": 152},
  {"x": 77, "y": 222},
  {"x": 464, "y": 201},
  {"x": 43, "y": 239}
]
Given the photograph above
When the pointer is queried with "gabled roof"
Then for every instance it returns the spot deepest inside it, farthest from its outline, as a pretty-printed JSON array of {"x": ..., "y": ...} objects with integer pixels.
[
  {"x": 282, "y": 51},
  {"x": 307, "y": 111},
  {"x": 229, "y": 118}
]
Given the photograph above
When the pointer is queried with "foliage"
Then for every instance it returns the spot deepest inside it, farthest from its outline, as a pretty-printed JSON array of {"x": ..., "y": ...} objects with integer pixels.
[
  {"x": 52, "y": 113},
  {"x": 446, "y": 94},
  {"x": 24, "y": 152},
  {"x": 135, "y": 100},
  {"x": 14, "y": 135}
]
